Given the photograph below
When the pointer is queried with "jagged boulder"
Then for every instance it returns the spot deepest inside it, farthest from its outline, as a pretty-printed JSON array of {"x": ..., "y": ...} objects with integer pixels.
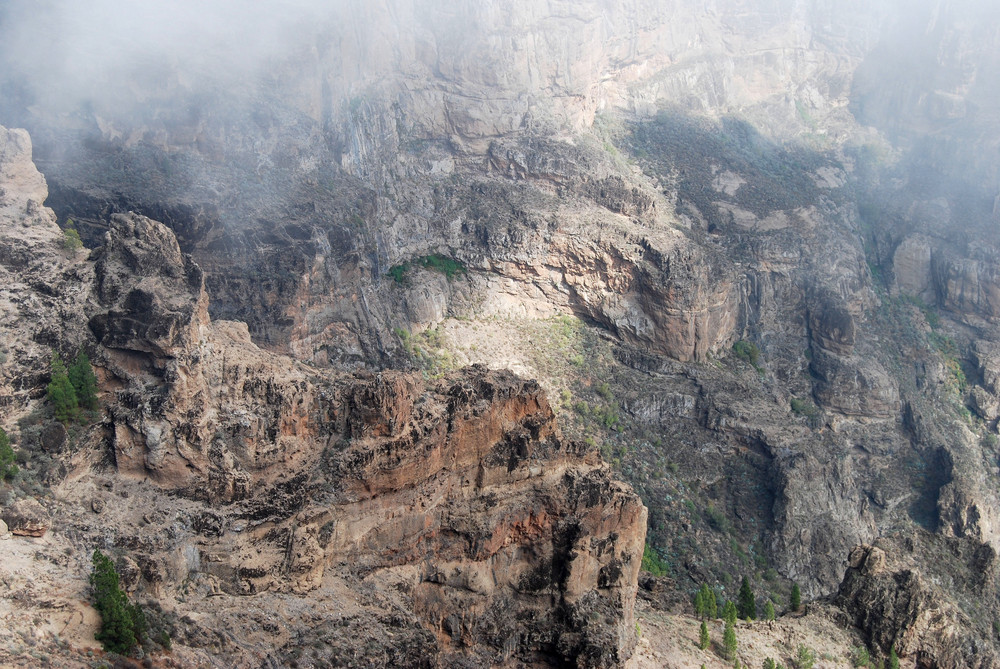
[{"x": 26, "y": 518}]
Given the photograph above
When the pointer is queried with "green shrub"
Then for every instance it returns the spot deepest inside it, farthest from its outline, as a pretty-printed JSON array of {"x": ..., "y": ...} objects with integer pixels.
[
  {"x": 71, "y": 238},
  {"x": 803, "y": 407},
  {"x": 748, "y": 352},
  {"x": 805, "y": 658},
  {"x": 796, "y": 597},
  {"x": 123, "y": 624},
  {"x": 398, "y": 272},
  {"x": 893, "y": 658},
  {"x": 434, "y": 262},
  {"x": 768, "y": 610},
  {"x": 605, "y": 391},
  {"x": 8, "y": 469},
  {"x": 653, "y": 563},
  {"x": 860, "y": 657}
]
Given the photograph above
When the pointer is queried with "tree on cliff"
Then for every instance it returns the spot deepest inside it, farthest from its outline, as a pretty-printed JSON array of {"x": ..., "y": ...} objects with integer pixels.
[
  {"x": 796, "y": 598},
  {"x": 81, "y": 375},
  {"x": 61, "y": 392},
  {"x": 768, "y": 610},
  {"x": 703, "y": 639},
  {"x": 747, "y": 605},
  {"x": 123, "y": 624}
]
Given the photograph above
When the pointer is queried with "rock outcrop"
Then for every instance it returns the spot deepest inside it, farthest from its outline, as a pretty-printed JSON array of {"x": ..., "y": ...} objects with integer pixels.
[
  {"x": 895, "y": 605},
  {"x": 26, "y": 518},
  {"x": 508, "y": 543}
]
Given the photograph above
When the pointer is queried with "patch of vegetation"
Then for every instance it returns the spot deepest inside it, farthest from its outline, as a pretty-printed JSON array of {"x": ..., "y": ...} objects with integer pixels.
[
  {"x": 72, "y": 391},
  {"x": 653, "y": 563},
  {"x": 748, "y": 352},
  {"x": 946, "y": 346},
  {"x": 60, "y": 391},
  {"x": 930, "y": 314},
  {"x": 428, "y": 351},
  {"x": 774, "y": 177},
  {"x": 804, "y": 114},
  {"x": 717, "y": 520},
  {"x": 8, "y": 470},
  {"x": 805, "y": 408},
  {"x": 123, "y": 624},
  {"x": 435, "y": 262},
  {"x": 71, "y": 238},
  {"x": 805, "y": 657}
]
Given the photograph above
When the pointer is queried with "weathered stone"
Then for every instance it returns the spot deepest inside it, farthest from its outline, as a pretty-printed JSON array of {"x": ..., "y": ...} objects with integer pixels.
[
  {"x": 895, "y": 607},
  {"x": 854, "y": 386},
  {"x": 53, "y": 437},
  {"x": 26, "y": 518}
]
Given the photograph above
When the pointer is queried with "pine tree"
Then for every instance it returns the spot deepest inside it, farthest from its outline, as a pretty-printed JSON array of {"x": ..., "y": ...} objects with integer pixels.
[
  {"x": 123, "y": 624},
  {"x": 699, "y": 603},
  {"x": 893, "y": 658},
  {"x": 748, "y": 606},
  {"x": 61, "y": 392},
  {"x": 729, "y": 612},
  {"x": 8, "y": 469},
  {"x": 712, "y": 602},
  {"x": 703, "y": 638},
  {"x": 796, "y": 598},
  {"x": 729, "y": 642},
  {"x": 704, "y": 602},
  {"x": 768, "y": 610},
  {"x": 81, "y": 375}
]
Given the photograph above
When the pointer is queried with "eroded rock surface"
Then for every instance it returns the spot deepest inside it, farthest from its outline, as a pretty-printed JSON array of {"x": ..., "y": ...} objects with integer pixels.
[
  {"x": 895, "y": 605},
  {"x": 457, "y": 503}
]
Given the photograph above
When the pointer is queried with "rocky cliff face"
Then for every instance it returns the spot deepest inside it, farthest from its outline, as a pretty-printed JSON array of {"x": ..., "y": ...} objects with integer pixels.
[
  {"x": 898, "y": 606},
  {"x": 499, "y": 541},
  {"x": 775, "y": 321}
]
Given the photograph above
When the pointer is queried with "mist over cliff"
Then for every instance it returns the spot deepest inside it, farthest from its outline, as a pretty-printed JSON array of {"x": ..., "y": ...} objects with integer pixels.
[{"x": 747, "y": 254}]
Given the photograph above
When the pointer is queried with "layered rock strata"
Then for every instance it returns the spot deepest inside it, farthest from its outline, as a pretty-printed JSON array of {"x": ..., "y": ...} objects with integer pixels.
[{"x": 506, "y": 543}]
